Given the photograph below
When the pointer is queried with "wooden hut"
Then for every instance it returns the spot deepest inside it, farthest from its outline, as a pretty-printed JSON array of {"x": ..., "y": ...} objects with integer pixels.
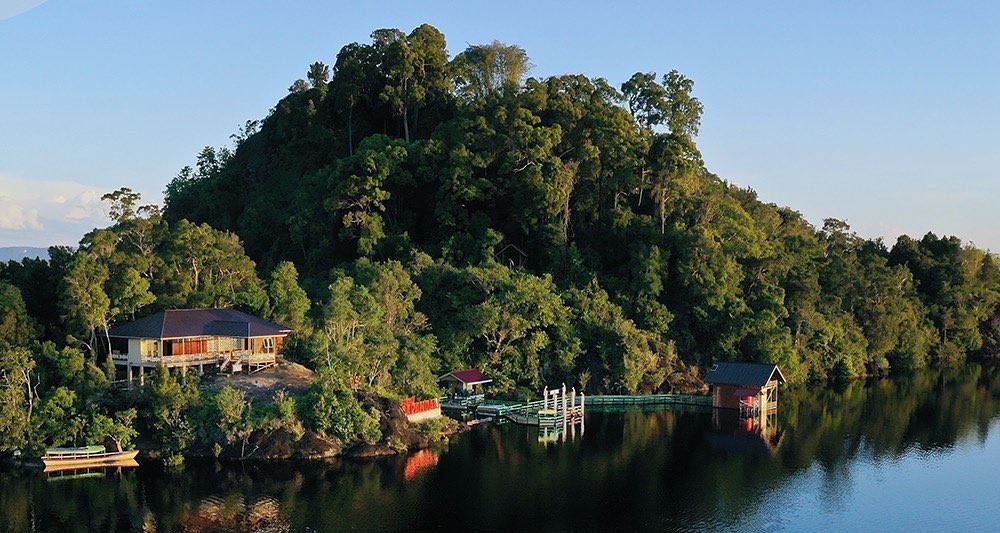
[
  {"x": 511, "y": 256},
  {"x": 750, "y": 387},
  {"x": 464, "y": 382}
]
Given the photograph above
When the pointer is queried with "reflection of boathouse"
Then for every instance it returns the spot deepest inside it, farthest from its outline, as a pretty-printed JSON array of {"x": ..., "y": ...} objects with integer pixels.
[
  {"x": 735, "y": 433},
  {"x": 750, "y": 387}
]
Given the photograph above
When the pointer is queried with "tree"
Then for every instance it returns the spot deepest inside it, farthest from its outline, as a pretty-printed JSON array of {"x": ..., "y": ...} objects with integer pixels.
[
  {"x": 235, "y": 417},
  {"x": 646, "y": 99},
  {"x": 289, "y": 303},
  {"x": 682, "y": 110},
  {"x": 84, "y": 299},
  {"x": 18, "y": 395},
  {"x": 17, "y": 327},
  {"x": 334, "y": 410},
  {"x": 485, "y": 69},
  {"x": 119, "y": 428},
  {"x": 319, "y": 75},
  {"x": 57, "y": 421},
  {"x": 169, "y": 413}
]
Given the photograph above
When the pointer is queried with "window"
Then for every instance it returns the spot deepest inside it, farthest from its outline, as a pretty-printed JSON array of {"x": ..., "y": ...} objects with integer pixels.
[{"x": 268, "y": 344}]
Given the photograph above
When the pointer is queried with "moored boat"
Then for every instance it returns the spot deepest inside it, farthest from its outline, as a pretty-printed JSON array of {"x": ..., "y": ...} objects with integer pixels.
[{"x": 87, "y": 455}]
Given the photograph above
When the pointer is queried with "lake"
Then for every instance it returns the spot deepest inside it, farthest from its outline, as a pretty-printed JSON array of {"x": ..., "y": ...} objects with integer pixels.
[{"x": 919, "y": 453}]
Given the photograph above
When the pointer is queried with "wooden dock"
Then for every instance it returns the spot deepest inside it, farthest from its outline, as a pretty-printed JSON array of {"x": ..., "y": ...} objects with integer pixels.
[{"x": 535, "y": 413}]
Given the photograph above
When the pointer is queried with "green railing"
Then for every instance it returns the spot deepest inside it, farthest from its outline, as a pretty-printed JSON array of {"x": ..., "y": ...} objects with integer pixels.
[
  {"x": 649, "y": 399},
  {"x": 527, "y": 413}
]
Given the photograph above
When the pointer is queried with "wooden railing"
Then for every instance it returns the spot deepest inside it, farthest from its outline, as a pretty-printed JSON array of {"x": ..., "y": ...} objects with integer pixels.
[{"x": 243, "y": 356}]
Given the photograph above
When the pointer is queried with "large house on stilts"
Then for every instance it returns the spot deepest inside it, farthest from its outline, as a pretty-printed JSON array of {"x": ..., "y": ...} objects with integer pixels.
[{"x": 226, "y": 339}]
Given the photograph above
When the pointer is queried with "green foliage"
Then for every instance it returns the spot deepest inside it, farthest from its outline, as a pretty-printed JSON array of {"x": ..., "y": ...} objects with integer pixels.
[
  {"x": 57, "y": 421},
  {"x": 289, "y": 303},
  {"x": 416, "y": 214},
  {"x": 284, "y": 415},
  {"x": 17, "y": 327},
  {"x": 331, "y": 408},
  {"x": 18, "y": 397},
  {"x": 405, "y": 154},
  {"x": 235, "y": 417},
  {"x": 170, "y": 412},
  {"x": 119, "y": 428},
  {"x": 439, "y": 428}
]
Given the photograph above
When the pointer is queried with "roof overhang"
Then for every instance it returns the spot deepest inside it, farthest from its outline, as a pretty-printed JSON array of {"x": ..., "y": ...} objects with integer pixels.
[{"x": 452, "y": 376}]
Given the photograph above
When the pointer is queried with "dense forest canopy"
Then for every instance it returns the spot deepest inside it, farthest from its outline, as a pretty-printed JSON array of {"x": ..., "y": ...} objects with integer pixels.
[{"x": 373, "y": 210}]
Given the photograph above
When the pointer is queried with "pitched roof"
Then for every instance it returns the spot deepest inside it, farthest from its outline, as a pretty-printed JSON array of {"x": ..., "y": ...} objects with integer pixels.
[
  {"x": 470, "y": 376},
  {"x": 178, "y": 323},
  {"x": 731, "y": 373}
]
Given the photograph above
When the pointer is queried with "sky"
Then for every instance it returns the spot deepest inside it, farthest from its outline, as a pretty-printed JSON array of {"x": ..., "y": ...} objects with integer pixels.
[{"x": 886, "y": 116}]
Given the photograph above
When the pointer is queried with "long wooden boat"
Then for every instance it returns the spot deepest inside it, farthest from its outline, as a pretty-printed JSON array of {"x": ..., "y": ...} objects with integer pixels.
[
  {"x": 91, "y": 470},
  {"x": 88, "y": 455}
]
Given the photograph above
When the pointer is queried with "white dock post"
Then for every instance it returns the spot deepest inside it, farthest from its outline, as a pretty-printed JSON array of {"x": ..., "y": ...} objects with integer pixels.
[
  {"x": 564, "y": 400},
  {"x": 572, "y": 399},
  {"x": 545, "y": 398}
]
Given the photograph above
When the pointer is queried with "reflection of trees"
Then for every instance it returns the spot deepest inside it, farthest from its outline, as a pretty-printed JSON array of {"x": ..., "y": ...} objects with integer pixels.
[{"x": 627, "y": 468}]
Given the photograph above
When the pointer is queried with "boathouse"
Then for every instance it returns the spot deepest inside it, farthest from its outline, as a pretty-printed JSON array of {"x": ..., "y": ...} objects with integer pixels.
[
  {"x": 750, "y": 387},
  {"x": 464, "y": 382},
  {"x": 226, "y": 339}
]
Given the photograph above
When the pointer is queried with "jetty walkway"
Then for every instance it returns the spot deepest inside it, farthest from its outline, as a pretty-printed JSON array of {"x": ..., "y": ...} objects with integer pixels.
[{"x": 554, "y": 411}]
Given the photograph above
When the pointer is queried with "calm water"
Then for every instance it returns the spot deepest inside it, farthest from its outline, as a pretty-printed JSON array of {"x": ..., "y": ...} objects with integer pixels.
[{"x": 915, "y": 454}]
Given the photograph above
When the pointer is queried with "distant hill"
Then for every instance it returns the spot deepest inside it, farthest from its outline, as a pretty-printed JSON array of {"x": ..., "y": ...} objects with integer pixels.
[{"x": 17, "y": 253}]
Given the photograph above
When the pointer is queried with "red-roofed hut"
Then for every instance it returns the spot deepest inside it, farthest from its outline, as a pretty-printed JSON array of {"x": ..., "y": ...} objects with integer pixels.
[
  {"x": 466, "y": 382},
  {"x": 750, "y": 387}
]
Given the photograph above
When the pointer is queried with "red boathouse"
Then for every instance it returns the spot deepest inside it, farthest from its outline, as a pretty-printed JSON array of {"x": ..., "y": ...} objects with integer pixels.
[{"x": 751, "y": 387}]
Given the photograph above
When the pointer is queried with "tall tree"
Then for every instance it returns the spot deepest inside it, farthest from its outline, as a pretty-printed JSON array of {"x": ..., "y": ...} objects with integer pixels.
[{"x": 485, "y": 69}]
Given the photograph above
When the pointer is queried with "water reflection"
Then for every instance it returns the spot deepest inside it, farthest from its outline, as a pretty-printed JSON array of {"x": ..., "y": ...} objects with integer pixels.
[
  {"x": 755, "y": 434},
  {"x": 418, "y": 463},
  {"x": 77, "y": 472},
  {"x": 817, "y": 459}
]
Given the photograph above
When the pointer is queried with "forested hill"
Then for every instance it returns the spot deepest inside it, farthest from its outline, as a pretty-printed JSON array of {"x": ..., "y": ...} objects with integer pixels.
[{"x": 633, "y": 251}]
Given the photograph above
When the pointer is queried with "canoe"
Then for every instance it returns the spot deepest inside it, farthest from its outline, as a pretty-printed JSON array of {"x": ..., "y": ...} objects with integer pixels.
[{"x": 90, "y": 455}]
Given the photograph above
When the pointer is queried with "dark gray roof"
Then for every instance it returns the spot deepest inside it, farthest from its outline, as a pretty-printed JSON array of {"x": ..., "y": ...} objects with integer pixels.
[
  {"x": 176, "y": 323},
  {"x": 730, "y": 373}
]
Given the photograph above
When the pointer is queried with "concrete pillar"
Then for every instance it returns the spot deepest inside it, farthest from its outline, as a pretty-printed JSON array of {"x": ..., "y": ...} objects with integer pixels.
[
  {"x": 201, "y": 369},
  {"x": 184, "y": 375},
  {"x": 142, "y": 377}
]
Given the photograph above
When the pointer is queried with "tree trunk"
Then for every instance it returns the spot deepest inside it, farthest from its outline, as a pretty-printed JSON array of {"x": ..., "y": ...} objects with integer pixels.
[
  {"x": 350, "y": 128},
  {"x": 406, "y": 126}
]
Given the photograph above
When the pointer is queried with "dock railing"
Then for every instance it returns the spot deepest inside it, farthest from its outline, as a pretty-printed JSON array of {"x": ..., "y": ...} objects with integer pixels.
[{"x": 528, "y": 413}]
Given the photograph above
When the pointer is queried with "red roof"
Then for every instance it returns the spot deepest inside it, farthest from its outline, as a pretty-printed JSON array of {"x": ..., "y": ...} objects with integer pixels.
[{"x": 469, "y": 376}]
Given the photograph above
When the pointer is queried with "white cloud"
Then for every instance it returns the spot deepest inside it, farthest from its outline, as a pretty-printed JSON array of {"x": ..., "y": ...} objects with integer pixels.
[
  {"x": 12, "y": 8},
  {"x": 14, "y": 216},
  {"x": 85, "y": 206},
  {"x": 43, "y": 212}
]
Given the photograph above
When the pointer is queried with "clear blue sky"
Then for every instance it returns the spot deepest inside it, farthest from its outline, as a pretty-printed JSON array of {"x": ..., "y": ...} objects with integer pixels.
[{"x": 886, "y": 116}]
